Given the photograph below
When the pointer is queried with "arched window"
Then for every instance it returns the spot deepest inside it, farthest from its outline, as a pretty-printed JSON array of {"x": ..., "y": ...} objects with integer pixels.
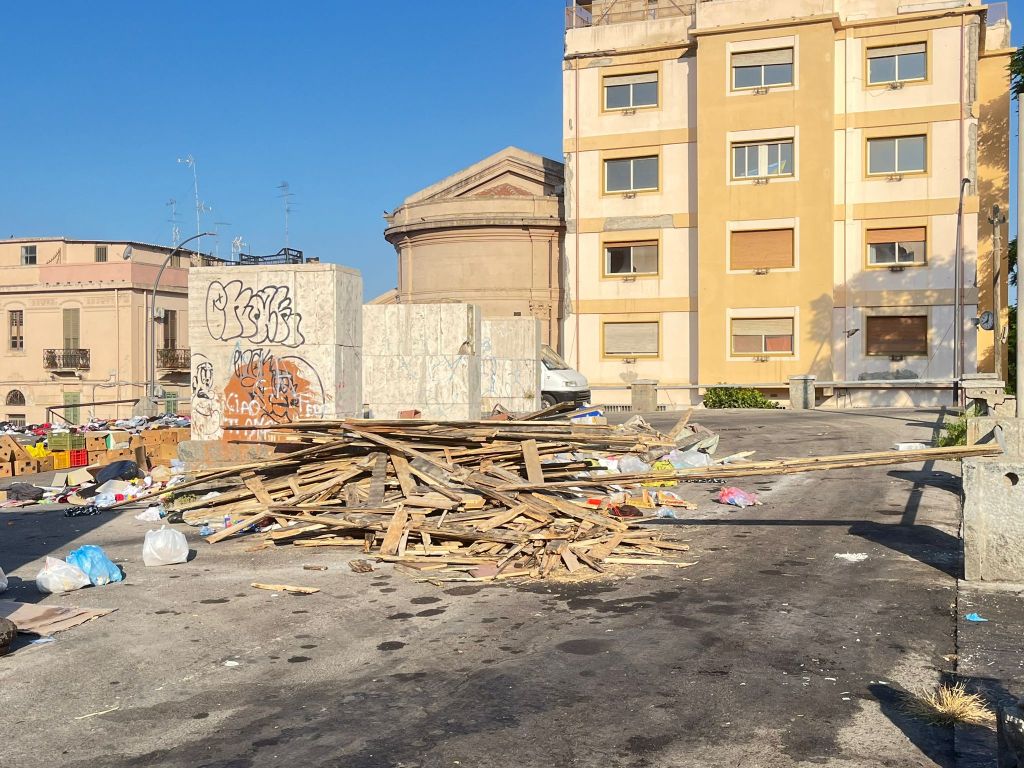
[{"x": 15, "y": 397}]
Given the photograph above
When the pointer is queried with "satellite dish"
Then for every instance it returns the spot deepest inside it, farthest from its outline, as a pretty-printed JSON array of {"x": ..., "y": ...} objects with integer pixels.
[
  {"x": 127, "y": 255},
  {"x": 987, "y": 321}
]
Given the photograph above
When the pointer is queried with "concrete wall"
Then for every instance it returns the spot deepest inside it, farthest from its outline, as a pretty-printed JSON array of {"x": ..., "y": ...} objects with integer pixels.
[
  {"x": 510, "y": 367},
  {"x": 424, "y": 357},
  {"x": 273, "y": 345}
]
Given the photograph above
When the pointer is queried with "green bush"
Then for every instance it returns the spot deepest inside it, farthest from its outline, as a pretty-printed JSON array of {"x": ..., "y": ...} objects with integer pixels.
[
  {"x": 954, "y": 432},
  {"x": 731, "y": 397}
]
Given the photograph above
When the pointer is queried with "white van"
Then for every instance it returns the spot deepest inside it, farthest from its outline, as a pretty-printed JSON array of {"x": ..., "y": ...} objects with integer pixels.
[{"x": 559, "y": 383}]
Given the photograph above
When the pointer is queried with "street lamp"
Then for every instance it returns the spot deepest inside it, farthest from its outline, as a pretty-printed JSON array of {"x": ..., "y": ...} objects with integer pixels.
[{"x": 151, "y": 325}]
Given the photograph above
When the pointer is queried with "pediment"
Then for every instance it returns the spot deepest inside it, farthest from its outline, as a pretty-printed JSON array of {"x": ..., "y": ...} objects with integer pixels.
[{"x": 512, "y": 172}]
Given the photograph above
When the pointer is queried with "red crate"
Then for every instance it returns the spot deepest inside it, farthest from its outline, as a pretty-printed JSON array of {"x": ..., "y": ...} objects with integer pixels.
[{"x": 79, "y": 458}]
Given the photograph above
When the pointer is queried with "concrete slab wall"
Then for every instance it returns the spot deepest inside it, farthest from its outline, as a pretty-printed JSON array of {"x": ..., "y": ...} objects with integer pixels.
[
  {"x": 993, "y": 519},
  {"x": 510, "y": 367},
  {"x": 424, "y": 357},
  {"x": 273, "y": 345}
]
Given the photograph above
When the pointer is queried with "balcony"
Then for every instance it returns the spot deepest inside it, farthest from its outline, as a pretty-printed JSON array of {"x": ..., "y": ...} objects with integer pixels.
[
  {"x": 174, "y": 359},
  {"x": 580, "y": 14},
  {"x": 66, "y": 359}
]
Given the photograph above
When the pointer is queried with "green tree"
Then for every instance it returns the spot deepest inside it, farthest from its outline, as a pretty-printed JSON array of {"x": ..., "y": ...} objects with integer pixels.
[{"x": 1017, "y": 72}]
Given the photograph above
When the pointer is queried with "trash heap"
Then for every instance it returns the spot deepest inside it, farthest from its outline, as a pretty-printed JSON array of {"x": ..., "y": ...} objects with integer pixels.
[{"x": 442, "y": 496}]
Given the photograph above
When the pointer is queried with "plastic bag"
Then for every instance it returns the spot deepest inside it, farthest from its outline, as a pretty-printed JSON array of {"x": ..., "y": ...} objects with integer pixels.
[
  {"x": 688, "y": 459},
  {"x": 3, "y": 580},
  {"x": 631, "y": 465},
  {"x": 164, "y": 547},
  {"x": 58, "y": 576},
  {"x": 737, "y": 497},
  {"x": 95, "y": 564},
  {"x": 152, "y": 514}
]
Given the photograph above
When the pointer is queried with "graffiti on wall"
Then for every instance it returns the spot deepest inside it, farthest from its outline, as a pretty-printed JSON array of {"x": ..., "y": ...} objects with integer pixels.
[
  {"x": 265, "y": 389},
  {"x": 263, "y": 316},
  {"x": 206, "y": 404}
]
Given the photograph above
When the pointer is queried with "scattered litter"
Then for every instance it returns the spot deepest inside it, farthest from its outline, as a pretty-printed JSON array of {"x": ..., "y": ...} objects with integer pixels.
[
  {"x": 231, "y": 663},
  {"x": 151, "y": 514},
  {"x": 314, "y": 567},
  {"x": 87, "y": 511},
  {"x": 101, "y": 712},
  {"x": 41, "y": 641},
  {"x": 164, "y": 547},
  {"x": 909, "y": 446},
  {"x": 206, "y": 530},
  {"x": 974, "y": 617},
  {"x": 58, "y": 576},
  {"x": 737, "y": 497},
  {"x": 361, "y": 566},
  {"x": 851, "y": 557},
  {"x": 285, "y": 588},
  {"x": 95, "y": 564},
  {"x": 47, "y": 619},
  {"x": 3, "y": 581}
]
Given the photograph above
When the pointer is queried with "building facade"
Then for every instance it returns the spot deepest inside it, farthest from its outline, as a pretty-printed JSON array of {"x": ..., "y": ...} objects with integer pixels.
[
  {"x": 490, "y": 235},
  {"x": 75, "y": 316},
  {"x": 760, "y": 189}
]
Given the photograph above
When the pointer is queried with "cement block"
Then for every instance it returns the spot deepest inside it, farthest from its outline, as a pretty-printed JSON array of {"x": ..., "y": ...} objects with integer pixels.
[
  {"x": 273, "y": 345},
  {"x": 982, "y": 429},
  {"x": 510, "y": 366},
  {"x": 993, "y": 519},
  {"x": 644, "y": 396},
  {"x": 423, "y": 357}
]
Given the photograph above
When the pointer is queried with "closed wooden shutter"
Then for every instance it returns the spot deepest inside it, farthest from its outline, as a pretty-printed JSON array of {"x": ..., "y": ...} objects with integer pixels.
[
  {"x": 897, "y": 335},
  {"x": 758, "y": 58},
  {"x": 72, "y": 338},
  {"x": 761, "y": 249},
  {"x": 900, "y": 235},
  {"x": 170, "y": 329},
  {"x": 631, "y": 339},
  {"x": 896, "y": 50},
  {"x": 762, "y": 335},
  {"x": 648, "y": 77}
]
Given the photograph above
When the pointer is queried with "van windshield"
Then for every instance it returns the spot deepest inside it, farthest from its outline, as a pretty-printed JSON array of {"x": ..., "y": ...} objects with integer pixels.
[{"x": 552, "y": 360}]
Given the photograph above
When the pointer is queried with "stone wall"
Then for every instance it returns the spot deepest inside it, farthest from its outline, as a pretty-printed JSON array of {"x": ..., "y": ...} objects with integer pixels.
[
  {"x": 273, "y": 345},
  {"x": 423, "y": 357},
  {"x": 510, "y": 367}
]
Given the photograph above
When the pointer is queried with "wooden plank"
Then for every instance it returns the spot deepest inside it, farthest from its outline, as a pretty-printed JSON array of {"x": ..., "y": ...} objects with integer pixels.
[
  {"x": 570, "y": 560},
  {"x": 286, "y": 588},
  {"x": 502, "y": 518},
  {"x": 531, "y": 457},
  {"x": 405, "y": 481},
  {"x": 601, "y": 551},
  {"x": 579, "y": 513},
  {"x": 378, "y": 478},
  {"x": 393, "y": 535}
]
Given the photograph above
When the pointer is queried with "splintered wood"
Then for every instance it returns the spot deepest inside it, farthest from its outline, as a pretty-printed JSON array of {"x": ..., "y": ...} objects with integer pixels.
[{"x": 441, "y": 498}]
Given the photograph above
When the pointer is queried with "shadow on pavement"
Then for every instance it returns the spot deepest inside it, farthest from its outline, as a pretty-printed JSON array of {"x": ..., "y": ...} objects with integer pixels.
[
  {"x": 26, "y": 536},
  {"x": 935, "y": 742}
]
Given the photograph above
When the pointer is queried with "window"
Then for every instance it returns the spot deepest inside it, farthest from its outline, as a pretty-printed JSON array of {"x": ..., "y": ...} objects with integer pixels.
[
  {"x": 16, "y": 325},
  {"x": 903, "y": 154},
  {"x": 761, "y": 249},
  {"x": 16, "y": 419},
  {"x": 631, "y": 339},
  {"x": 888, "y": 247},
  {"x": 631, "y": 174},
  {"x": 170, "y": 402},
  {"x": 71, "y": 337},
  {"x": 631, "y": 91},
  {"x": 170, "y": 329},
  {"x": 755, "y": 161},
  {"x": 762, "y": 336},
  {"x": 28, "y": 255},
  {"x": 72, "y": 414},
  {"x": 897, "y": 64},
  {"x": 15, "y": 397},
  {"x": 101, "y": 253},
  {"x": 896, "y": 335},
  {"x": 631, "y": 258},
  {"x": 762, "y": 69}
]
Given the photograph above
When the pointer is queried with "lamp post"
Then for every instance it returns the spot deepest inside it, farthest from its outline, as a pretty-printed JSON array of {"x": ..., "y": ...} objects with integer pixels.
[
  {"x": 151, "y": 325},
  {"x": 958, "y": 292}
]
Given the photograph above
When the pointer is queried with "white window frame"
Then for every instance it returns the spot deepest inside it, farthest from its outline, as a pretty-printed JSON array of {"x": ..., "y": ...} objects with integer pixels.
[
  {"x": 896, "y": 68},
  {"x": 635, "y": 80},
  {"x": 632, "y": 186},
  {"x": 25, "y": 254},
  {"x": 761, "y": 84},
  {"x": 763, "y": 152},
  {"x": 631, "y": 245},
  {"x": 764, "y": 352},
  {"x": 897, "y": 171},
  {"x": 630, "y": 355},
  {"x": 896, "y": 243}
]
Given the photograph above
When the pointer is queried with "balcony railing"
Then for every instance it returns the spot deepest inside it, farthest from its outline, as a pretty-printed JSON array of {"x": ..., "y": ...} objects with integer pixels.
[
  {"x": 600, "y": 12},
  {"x": 174, "y": 359},
  {"x": 66, "y": 359}
]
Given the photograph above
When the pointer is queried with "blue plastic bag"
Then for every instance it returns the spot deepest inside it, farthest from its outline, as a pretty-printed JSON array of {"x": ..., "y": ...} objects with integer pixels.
[{"x": 96, "y": 565}]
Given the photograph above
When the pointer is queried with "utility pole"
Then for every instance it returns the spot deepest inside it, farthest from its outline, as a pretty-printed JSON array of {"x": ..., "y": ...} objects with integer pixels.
[
  {"x": 997, "y": 219},
  {"x": 1020, "y": 220}
]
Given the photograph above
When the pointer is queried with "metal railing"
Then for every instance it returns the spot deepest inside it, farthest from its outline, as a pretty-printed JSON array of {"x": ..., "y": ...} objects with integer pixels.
[
  {"x": 174, "y": 359},
  {"x": 601, "y": 12},
  {"x": 66, "y": 359},
  {"x": 284, "y": 256}
]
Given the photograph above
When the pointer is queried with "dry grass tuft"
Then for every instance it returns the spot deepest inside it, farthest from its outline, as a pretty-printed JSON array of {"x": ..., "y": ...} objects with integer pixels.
[{"x": 948, "y": 705}]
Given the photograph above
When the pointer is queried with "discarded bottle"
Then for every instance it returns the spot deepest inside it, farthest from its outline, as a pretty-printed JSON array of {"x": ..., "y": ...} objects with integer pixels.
[
  {"x": 206, "y": 530},
  {"x": 227, "y": 521}
]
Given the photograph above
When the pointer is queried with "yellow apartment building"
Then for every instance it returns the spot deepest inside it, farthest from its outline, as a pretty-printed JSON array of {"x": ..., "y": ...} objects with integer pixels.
[
  {"x": 74, "y": 314},
  {"x": 759, "y": 189}
]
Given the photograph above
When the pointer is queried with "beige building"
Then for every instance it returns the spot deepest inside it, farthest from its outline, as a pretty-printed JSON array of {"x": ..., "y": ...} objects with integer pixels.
[
  {"x": 490, "y": 235},
  {"x": 757, "y": 189},
  {"x": 75, "y": 314}
]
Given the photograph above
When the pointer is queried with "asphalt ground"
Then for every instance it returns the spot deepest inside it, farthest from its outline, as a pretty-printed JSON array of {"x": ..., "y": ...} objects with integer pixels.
[{"x": 771, "y": 651}]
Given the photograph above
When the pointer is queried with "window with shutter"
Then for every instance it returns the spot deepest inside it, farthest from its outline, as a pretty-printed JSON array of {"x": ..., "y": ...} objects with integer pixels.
[
  {"x": 631, "y": 259},
  {"x": 631, "y": 339},
  {"x": 901, "y": 335},
  {"x": 72, "y": 339},
  {"x": 897, "y": 63},
  {"x": 761, "y": 249},
  {"x": 762, "y": 69},
  {"x": 892, "y": 247},
  {"x": 16, "y": 325},
  {"x": 631, "y": 91},
  {"x": 762, "y": 336},
  {"x": 170, "y": 329},
  {"x": 101, "y": 253}
]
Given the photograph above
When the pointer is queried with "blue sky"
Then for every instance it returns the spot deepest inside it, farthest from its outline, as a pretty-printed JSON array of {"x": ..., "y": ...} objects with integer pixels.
[{"x": 355, "y": 104}]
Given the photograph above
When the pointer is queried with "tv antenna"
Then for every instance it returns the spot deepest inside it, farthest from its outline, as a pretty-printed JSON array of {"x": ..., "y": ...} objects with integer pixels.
[
  {"x": 286, "y": 195},
  {"x": 201, "y": 207},
  {"x": 174, "y": 220},
  {"x": 237, "y": 246}
]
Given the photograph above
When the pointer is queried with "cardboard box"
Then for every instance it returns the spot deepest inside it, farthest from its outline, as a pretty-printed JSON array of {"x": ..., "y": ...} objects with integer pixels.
[
  {"x": 117, "y": 439},
  {"x": 135, "y": 441},
  {"x": 12, "y": 450},
  {"x": 151, "y": 438},
  {"x": 26, "y": 467},
  {"x": 121, "y": 454},
  {"x": 46, "y": 463},
  {"x": 98, "y": 457},
  {"x": 6, "y": 469},
  {"x": 163, "y": 454},
  {"x": 96, "y": 441}
]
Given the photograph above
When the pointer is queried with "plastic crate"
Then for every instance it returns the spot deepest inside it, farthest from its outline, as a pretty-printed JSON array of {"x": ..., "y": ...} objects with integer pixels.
[
  {"x": 62, "y": 460},
  {"x": 79, "y": 457},
  {"x": 65, "y": 441}
]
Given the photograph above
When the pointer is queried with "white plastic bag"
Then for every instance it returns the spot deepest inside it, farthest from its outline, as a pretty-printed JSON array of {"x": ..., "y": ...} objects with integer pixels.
[
  {"x": 58, "y": 576},
  {"x": 3, "y": 580},
  {"x": 164, "y": 547}
]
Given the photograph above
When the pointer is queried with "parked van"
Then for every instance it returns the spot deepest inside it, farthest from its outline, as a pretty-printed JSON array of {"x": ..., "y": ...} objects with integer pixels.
[{"x": 560, "y": 383}]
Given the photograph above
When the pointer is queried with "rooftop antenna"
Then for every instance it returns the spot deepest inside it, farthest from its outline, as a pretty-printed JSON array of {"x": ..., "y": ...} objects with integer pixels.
[
  {"x": 237, "y": 246},
  {"x": 201, "y": 207},
  {"x": 175, "y": 229},
  {"x": 286, "y": 195}
]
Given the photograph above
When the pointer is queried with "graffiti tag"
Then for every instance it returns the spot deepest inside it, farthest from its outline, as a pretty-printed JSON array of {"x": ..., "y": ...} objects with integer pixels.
[
  {"x": 264, "y": 316},
  {"x": 206, "y": 406},
  {"x": 265, "y": 389}
]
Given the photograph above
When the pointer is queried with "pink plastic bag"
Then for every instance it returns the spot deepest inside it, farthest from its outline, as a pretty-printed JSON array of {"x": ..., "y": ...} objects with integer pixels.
[{"x": 737, "y": 497}]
